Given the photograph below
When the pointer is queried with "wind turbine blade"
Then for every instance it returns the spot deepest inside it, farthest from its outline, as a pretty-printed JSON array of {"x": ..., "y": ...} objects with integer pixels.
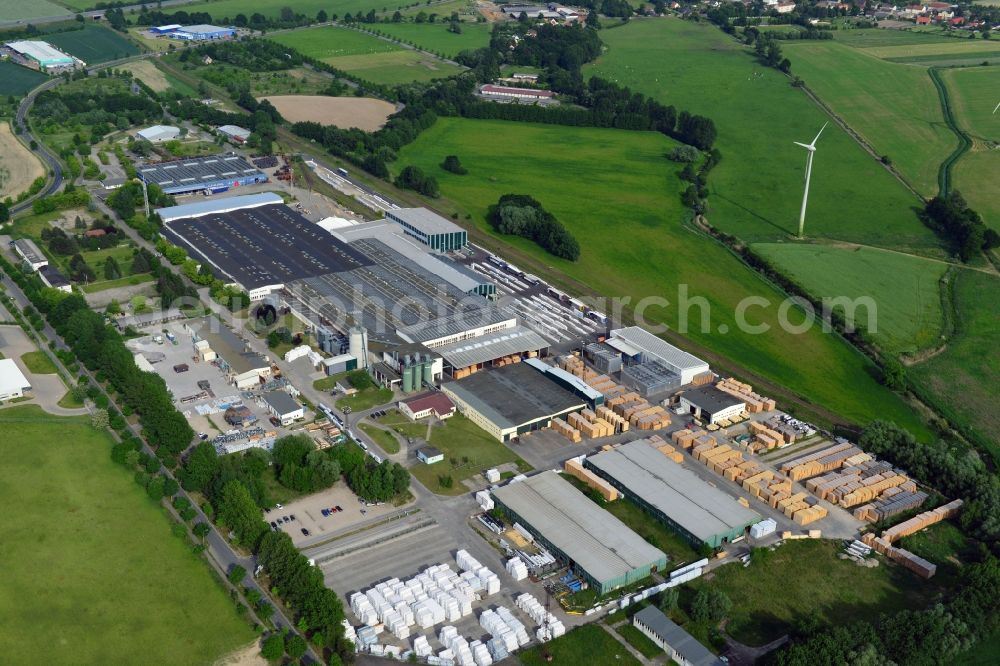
[
  {"x": 820, "y": 132},
  {"x": 995, "y": 108},
  {"x": 807, "y": 146}
]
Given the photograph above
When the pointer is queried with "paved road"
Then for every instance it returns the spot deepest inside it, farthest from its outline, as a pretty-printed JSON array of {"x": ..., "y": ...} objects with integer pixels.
[{"x": 50, "y": 160}]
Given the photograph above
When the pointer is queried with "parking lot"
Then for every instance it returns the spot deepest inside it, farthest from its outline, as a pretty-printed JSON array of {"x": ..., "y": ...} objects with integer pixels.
[{"x": 308, "y": 512}]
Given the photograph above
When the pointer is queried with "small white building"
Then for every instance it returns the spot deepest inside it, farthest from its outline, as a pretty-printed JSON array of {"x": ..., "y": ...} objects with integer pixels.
[
  {"x": 785, "y": 7},
  {"x": 29, "y": 252},
  {"x": 710, "y": 404},
  {"x": 428, "y": 455},
  {"x": 159, "y": 133},
  {"x": 234, "y": 133},
  {"x": 13, "y": 383},
  {"x": 283, "y": 407},
  {"x": 422, "y": 406},
  {"x": 52, "y": 278}
]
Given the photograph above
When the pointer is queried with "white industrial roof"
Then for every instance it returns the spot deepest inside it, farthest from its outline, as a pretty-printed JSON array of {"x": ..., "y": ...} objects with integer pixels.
[
  {"x": 27, "y": 249},
  {"x": 425, "y": 220},
  {"x": 234, "y": 130},
  {"x": 203, "y": 28},
  {"x": 41, "y": 51},
  {"x": 485, "y": 348},
  {"x": 660, "y": 349},
  {"x": 158, "y": 132},
  {"x": 599, "y": 543},
  {"x": 11, "y": 377},
  {"x": 679, "y": 493},
  {"x": 226, "y": 205}
]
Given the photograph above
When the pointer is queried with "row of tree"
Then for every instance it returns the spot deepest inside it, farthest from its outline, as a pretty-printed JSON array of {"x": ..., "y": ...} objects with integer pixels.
[
  {"x": 951, "y": 218},
  {"x": 522, "y": 215},
  {"x": 370, "y": 481}
]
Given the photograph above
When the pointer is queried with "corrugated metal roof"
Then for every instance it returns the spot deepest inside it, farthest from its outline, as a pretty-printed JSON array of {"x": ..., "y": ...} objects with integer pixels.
[
  {"x": 678, "y": 492},
  {"x": 425, "y": 220},
  {"x": 693, "y": 652},
  {"x": 41, "y": 51},
  {"x": 281, "y": 402},
  {"x": 488, "y": 347},
  {"x": 568, "y": 377},
  {"x": 226, "y": 205},
  {"x": 599, "y": 543},
  {"x": 661, "y": 349}
]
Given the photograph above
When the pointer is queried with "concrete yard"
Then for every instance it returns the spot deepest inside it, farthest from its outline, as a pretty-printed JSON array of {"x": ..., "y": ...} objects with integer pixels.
[{"x": 308, "y": 512}]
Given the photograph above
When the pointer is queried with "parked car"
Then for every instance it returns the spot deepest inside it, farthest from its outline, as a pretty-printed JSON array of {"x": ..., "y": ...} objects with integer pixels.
[
  {"x": 338, "y": 508},
  {"x": 293, "y": 516},
  {"x": 274, "y": 525},
  {"x": 326, "y": 512},
  {"x": 305, "y": 532}
]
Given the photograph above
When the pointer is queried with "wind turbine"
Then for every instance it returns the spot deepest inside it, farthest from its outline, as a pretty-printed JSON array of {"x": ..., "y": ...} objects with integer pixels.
[
  {"x": 995, "y": 108},
  {"x": 811, "y": 147}
]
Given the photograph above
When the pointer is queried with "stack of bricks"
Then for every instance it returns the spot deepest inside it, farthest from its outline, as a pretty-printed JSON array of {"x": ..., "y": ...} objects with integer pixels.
[
  {"x": 920, "y": 521},
  {"x": 914, "y": 563},
  {"x": 507, "y": 360},
  {"x": 769, "y": 439},
  {"x": 589, "y": 425},
  {"x": 574, "y": 366},
  {"x": 685, "y": 438},
  {"x": 575, "y": 469},
  {"x": 826, "y": 459},
  {"x": 755, "y": 403},
  {"x": 566, "y": 430},
  {"x": 638, "y": 412},
  {"x": 776, "y": 491},
  {"x": 666, "y": 449},
  {"x": 620, "y": 425},
  {"x": 602, "y": 383},
  {"x": 892, "y": 502}
]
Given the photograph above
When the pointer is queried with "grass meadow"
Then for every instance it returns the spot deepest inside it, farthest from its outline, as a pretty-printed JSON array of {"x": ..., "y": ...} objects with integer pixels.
[
  {"x": 11, "y": 10},
  {"x": 974, "y": 93},
  {"x": 619, "y": 195},
  {"x": 873, "y": 37},
  {"x": 17, "y": 80},
  {"x": 91, "y": 571},
  {"x": 435, "y": 37},
  {"x": 366, "y": 56},
  {"x": 894, "y": 107},
  {"x": 223, "y": 9},
  {"x": 94, "y": 44},
  {"x": 589, "y": 644},
  {"x": 756, "y": 190},
  {"x": 905, "y": 288},
  {"x": 966, "y": 376}
]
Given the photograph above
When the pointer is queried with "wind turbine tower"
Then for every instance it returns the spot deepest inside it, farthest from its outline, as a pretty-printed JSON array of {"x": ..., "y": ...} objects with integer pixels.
[{"x": 811, "y": 147}]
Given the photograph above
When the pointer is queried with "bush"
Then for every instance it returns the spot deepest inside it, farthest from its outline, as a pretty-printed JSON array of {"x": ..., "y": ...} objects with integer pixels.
[
  {"x": 684, "y": 154},
  {"x": 521, "y": 215}
]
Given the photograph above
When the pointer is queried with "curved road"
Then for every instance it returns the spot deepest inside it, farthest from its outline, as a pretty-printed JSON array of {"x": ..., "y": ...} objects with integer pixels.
[{"x": 50, "y": 160}]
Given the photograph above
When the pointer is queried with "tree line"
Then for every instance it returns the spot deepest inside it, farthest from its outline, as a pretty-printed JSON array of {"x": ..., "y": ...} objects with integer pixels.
[
  {"x": 951, "y": 218},
  {"x": 522, "y": 215}
]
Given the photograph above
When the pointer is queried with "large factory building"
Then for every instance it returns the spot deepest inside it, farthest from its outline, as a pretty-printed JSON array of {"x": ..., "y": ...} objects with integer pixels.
[
  {"x": 217, "y": 173},
  {"x": 599, "y": 547}
]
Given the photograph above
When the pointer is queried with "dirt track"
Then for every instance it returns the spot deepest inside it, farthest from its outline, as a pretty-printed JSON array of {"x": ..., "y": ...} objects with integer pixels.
[
  {"x": 18, "y": 166},
  {"x": 363, "y": 113}
]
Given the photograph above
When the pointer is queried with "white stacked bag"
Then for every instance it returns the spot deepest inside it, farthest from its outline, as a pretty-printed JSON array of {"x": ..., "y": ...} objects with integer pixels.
[
  {"x": 550, "y": 627},
  {"x": 517, "y": 569},
  {"x": 422, "y": 647},
  {"x": 480, "y": 653},
  {"x": 490, "y": 581},
  {"x": 502, "y": 625}
]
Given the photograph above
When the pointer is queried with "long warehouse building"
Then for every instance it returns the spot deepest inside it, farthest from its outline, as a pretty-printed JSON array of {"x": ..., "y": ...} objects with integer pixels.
[
  {"x": 673, "y": 494},
  {"x": 599, "y": 547},
  {"x": 638, "y": 345},
  {"x": 217, "y": 173}
]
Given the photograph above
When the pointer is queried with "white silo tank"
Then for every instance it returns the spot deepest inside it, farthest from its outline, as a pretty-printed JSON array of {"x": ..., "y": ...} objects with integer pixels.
[{"x": 358, "y": 345}]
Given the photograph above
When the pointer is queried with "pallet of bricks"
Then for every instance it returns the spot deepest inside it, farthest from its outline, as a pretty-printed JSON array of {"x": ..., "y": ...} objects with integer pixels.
[
  {"x": 860, "y": 483},
  {"x": 666, "y": 449},
  {"x": 915, "y": 563},
  {"x": 755, "y": 403},
  {"x": 639, "y": 413},
  {"x": 589, "y": 425},
  {"x": 776, "y": 490},
  {"x": 566, "y": 430},
  {"x": 827, "y": 459},
  {"x": 574, "y": 366},
  {"x": 892, "y": 502},
  {"x": 507, "y": 360},
  {"x": 577, "y": 470}
]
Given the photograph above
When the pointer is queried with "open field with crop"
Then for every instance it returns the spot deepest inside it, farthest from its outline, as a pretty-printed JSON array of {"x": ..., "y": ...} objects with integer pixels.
[
  {"x": 366, "y": 56},
  {"x": 973, "y": 96},
  {"x": 11, "y": 10},
  {"x": 960, "y": 48},
  {"x": 223, "y": 9},
  {"x": 18, "y": 166},
  {"x": 91, "y": 571},
  {"x": 436, "y": 37},
  {"x": 94, "y": 44},
  {"x": 904, "y": 288},
  {"x": 966, "y": 376},
  {"x": 756, "y": 190},
  {"x": 17, "y": 80},
  {"x": 873, "y": 37},
  {"x": 619, "y": 196},
  {"x": 775, "y": 590},
  {"x": 364, "y": 113},
  {"x": 894, "y": 107}
]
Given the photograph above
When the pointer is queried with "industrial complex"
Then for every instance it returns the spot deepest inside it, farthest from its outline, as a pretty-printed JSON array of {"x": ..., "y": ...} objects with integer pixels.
[
  {"x": 41, "y": 56},
  {"x": 217, "y": 173}
]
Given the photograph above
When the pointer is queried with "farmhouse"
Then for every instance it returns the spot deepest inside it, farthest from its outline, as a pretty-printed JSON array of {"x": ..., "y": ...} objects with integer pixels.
[
  {"x": 42, "y": 56},
  {"x": 13, "y": 383},
  {"x": 507, "y": 92}
]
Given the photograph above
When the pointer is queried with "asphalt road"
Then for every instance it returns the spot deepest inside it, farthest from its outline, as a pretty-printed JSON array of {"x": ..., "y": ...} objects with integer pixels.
[{"x": 51, "y": 161}]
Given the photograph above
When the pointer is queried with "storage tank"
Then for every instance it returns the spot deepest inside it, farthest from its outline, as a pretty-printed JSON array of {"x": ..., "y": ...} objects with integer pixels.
[
  {"x": 428, "y": 370},
  {"x": 358, "y": 345},
  {"x": 408, "y": 371}
]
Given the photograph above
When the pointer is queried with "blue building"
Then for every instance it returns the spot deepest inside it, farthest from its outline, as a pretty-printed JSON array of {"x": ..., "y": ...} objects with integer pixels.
[
  {"x": 166, "y": 29},
  {"x": 212, "y": 174},
  {"x": 202, "y": 32}
]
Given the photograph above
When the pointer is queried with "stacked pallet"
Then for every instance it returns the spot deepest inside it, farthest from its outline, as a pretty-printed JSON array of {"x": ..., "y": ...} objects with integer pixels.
[
  {"x": 590, "y": 429},
  {"x": 574, "y": 468},
  {"x": 824, "y": 460},
  {"x": 602, "y": 383},
  {"x": 507, "y": 360},
  {"x": 566, "y": 430},
  {"x": 686, "y": 438},
  {"x": 920, "y": 521},
  {"x": 893, "y": 501},
  {"x": 571, "y": 364},
  {"x": 703, "y": 378},
  {"x": 655, "y": 418},
  {"x": 914, "y": 563},
  {"x": 620, "y": 424},
  {"x": 755, "y": 403}
]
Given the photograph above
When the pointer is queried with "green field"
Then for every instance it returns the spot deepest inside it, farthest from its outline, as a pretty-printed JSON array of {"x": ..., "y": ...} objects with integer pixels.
[
  {"x": 363, "y": 399},
  {"x": 589, "y": 644},
  {"x": 659, "y": 535},
  {"x": 874, "y": 37},
  {"x": 467, "y": 450},
  {"x": 94, "y": 44},
  {"x": 961, "y": 48},
  {"x": 91, "y": 571},
  {"x": 227, "y": 9},
  {"x": 806, "y": 576},
  {"x": 895, "y": 108},
  {"x": 639, "y": 641},
  {"x": 366, "y": 56},
  {"x": 904, "y": 288},
  {"x": 966, "y": 376},
  {"x": 384, "y": 439},
  {"x": 11, "y": 10},
  {"x": 973, "y": 94},
  {"x": 984, "y": 653},
  {"x": 436, "y": 38},
  {"x": 619, "y": 197},
  {"x": 38, "y": 363},
  {"x": 756, "y": 190},
  {"x": 17, "y": 80}
]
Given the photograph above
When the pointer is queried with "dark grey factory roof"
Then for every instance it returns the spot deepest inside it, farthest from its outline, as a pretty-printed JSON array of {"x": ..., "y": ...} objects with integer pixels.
[
  {"x": 679, "y": 493},
  {"x": 228, "y": 345},
  {"x": 197, "y": 170},
  {"x": 514, "y": 395},
  {"x": 29, "y": 250},
  {"x": 262, "y": 246},
  {"x": 281, "y": 402},
  {"x": 595, "y": 540},
  {"x": 53, "y": 277},
  {"x": 711, "y": 399},
  {"x": 682, "y": 642}
]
